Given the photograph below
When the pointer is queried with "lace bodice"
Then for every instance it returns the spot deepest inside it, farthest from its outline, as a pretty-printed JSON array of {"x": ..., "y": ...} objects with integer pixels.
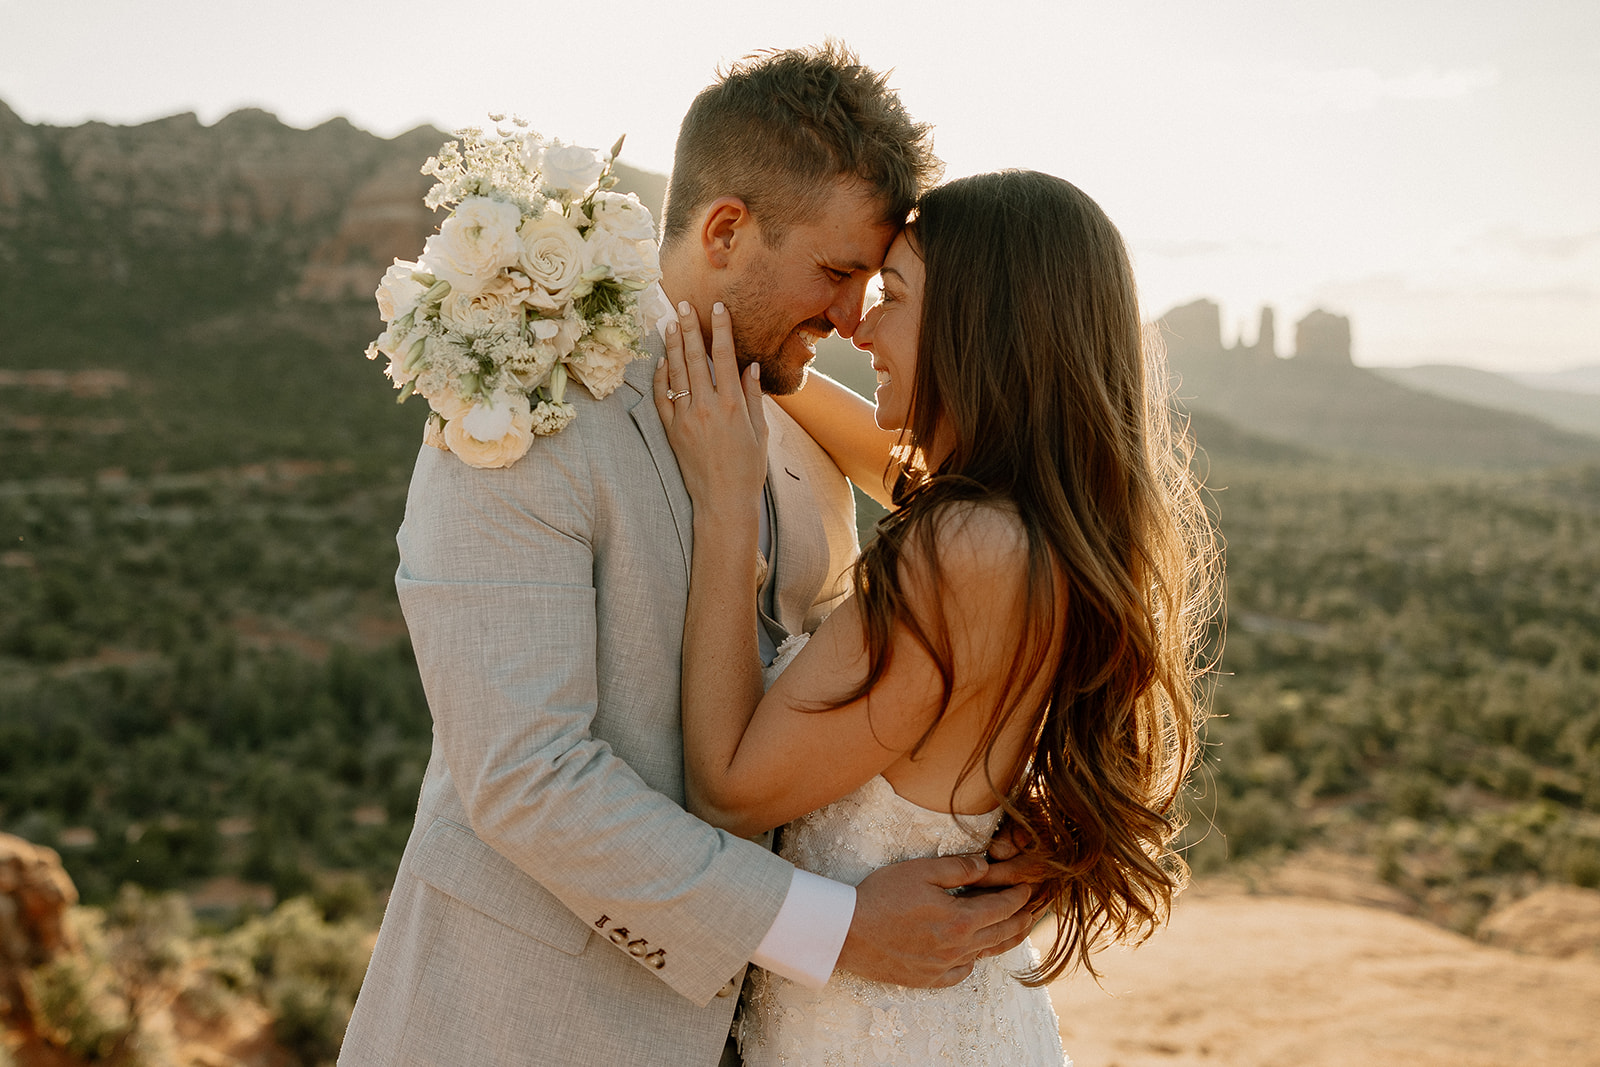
[{"x": 989, "y": 1019}]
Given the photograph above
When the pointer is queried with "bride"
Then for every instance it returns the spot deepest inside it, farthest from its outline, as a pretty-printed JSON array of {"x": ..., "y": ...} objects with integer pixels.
[{"x": 1022, "y": 637}]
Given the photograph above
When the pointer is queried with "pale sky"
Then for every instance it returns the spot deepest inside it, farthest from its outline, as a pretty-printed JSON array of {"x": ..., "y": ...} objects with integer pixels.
[{"x": 1429, "y": 169}]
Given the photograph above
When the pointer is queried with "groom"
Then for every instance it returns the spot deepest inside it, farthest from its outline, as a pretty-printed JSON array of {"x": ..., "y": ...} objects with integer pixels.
[{"x": 556, "y": 904}]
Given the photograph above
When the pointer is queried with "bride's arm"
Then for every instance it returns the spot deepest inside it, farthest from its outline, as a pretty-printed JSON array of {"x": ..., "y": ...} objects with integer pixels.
[
  {"x": 754, "y": 762},
  {"x": 841, "y": 421},
  {"x": 719, "y": 435},
  {"x": 718, "y": 432}
]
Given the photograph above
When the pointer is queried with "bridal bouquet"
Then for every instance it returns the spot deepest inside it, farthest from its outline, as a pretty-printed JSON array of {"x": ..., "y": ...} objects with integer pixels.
[{"x": 535, "y": 277}]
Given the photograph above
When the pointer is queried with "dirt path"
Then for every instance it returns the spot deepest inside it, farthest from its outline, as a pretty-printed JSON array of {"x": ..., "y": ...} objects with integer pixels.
[{"x": 1263, "y": 981}]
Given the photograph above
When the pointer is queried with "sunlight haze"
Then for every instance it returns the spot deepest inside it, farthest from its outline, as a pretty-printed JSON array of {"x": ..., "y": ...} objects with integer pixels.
[{"x": 1426, "y": 169}]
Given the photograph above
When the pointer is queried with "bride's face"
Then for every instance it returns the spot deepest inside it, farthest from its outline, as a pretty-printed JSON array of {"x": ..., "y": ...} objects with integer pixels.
[{"x": 889, "y": 332}]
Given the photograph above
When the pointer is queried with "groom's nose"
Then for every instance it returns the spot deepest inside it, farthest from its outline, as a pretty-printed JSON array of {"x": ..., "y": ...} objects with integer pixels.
[{"x": 845, "y": 311}]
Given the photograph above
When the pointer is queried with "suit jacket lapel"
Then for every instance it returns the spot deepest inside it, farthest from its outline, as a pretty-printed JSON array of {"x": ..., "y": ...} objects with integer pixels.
[{"x": 642, "y": 408}]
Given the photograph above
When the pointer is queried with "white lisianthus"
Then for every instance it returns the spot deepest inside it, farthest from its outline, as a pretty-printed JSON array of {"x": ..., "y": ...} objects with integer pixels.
[
  {"x": 474, "y": 244},
  {"x": 570, "y": 168},
  {"x": 530, "y": 151},
  {"x": 621, "y": 214},
  {"x": 393, "y": 341},
  {"x": 407, "y": 352},
  {"x": 398, "y": 293},
  {"x": 553, "y": 257},
  {"x": 560, "y": 334}
]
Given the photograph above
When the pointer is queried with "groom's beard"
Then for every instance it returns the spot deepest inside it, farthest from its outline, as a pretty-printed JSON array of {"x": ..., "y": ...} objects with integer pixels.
[{"x": 760, "y": 337}]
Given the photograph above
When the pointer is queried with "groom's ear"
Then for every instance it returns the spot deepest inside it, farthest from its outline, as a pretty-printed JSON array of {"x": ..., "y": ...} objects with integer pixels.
[{"x": 724, "y": 228}]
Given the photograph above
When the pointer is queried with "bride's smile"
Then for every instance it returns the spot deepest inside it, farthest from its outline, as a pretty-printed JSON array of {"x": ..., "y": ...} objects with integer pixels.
[{"x": 889, "y": 331}]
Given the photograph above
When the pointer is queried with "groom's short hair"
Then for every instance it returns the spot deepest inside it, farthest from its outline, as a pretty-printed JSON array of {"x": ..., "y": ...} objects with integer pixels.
[{"x": 778, "y": 128}]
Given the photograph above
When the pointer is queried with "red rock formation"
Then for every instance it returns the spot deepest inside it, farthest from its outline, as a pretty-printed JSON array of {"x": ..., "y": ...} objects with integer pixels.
[{"x": 35, "y": 894}]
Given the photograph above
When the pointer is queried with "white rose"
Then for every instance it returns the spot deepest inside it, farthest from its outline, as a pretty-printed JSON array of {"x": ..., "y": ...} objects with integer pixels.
[
  {"x": 622, "y": 214},
  {"x": 553, "y": 257},
  {"x": 633, "y": 263},
  {"x": 507, "y": 413},
  {"x": 398, "y": 293},
  {"x": 570, "y": 168},
  {"x": 498, "y": 304},
  {"x": 474, "y": 244}
]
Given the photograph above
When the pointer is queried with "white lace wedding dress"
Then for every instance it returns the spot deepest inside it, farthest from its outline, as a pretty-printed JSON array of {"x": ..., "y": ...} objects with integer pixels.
[{"x": 988, "y": 1020}]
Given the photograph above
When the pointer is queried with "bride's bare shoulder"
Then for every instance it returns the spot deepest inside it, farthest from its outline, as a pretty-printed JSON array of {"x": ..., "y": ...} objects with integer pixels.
[{"x": 979, "y": 548}]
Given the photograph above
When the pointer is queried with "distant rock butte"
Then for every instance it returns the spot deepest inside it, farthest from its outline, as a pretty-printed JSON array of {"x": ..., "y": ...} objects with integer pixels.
[
  {"x": 1195, "y": 329},
  {"x": 1319, "y": 400}
]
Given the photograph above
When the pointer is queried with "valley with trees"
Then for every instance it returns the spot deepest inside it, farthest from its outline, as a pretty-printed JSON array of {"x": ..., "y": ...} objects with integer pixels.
[{"x": 210, "y": 710}]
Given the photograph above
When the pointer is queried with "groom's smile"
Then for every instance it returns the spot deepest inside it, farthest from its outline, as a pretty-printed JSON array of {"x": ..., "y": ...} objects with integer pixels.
[{"x": 792, "y": 293}]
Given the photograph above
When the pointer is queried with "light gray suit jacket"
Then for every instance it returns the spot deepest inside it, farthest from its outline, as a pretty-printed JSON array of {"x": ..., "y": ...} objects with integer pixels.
[{"x": 555, "y": 903}]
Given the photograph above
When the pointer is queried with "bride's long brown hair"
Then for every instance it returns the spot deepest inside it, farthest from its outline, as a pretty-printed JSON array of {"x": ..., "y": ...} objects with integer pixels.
[{"x": 1031, "y": 362}]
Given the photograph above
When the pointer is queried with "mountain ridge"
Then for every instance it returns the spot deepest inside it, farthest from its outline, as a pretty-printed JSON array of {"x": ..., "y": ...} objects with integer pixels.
[{"x": 118, "y": 242}]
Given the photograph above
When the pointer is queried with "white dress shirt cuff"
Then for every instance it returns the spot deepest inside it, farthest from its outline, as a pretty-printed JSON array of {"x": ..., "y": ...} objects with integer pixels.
[{"x": 805, "y": 939}]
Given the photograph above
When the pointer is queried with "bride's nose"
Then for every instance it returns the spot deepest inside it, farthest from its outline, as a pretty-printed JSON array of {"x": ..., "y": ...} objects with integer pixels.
[{"x": 862, "y": 338}]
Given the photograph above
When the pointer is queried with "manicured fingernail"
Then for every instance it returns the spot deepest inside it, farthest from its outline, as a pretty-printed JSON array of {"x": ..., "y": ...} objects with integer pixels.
[
  {"x": 718, "y": 309},
  {"x": 660, "y": 361},
  {"x": 672, "y": 326},
  {"x": 755, "y": 371},
  {"x": 683, "y": 307}
]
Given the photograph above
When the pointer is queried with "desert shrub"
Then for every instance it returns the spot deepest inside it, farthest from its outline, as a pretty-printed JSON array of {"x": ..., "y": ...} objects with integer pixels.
[
  {"x": 78, "y": 1004},
  {"x": 76, "y": 1011},
  {"x": 307, "y": 971}
]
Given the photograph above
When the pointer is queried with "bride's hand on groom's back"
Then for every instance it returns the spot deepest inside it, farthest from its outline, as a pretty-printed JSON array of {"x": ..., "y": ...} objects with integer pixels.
[
  {"x": 712, "y": 413},
  {"x": 909, "y": 930}
]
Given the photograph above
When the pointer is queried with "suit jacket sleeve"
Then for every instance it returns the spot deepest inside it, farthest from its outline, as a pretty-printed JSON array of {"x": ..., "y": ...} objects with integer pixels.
[{"x": 498, "y": 585}]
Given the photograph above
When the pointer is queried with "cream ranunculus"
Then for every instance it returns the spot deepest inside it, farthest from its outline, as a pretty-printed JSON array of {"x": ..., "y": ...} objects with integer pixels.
[
  {"x": 601, "y": 359},
  {"x": 399, "y": 293},
  {"x": 495, "y": 433},
  {"x": 433, "y": 434},
  {"x": 474, "y": 244},
  {"x": 623, "y": 215},
  {"x": 553, "y": 257},
  {"x": 570, "y": 168},
  {"x": 449, "y": 405}
]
